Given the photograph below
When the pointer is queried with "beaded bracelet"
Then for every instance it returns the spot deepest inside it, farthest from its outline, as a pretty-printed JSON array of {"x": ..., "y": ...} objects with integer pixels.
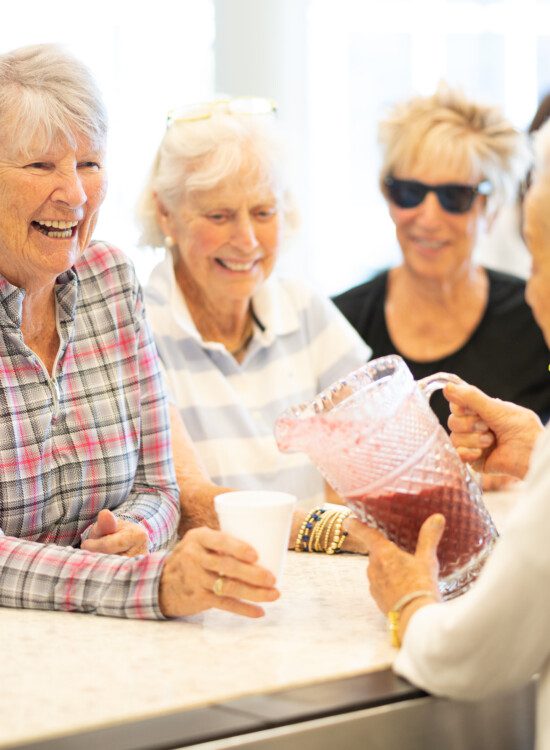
[
  {"x": 339, "y": 534},
  {"x": 304, "y": 534},
  {"x": 320, "y": 530}
]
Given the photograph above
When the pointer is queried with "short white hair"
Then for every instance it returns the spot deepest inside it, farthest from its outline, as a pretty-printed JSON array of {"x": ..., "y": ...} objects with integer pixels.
[
  {"x": 197, "y": 155},
  {"x": 449, "y": 128},
  {"x": 47, "y": 93}
]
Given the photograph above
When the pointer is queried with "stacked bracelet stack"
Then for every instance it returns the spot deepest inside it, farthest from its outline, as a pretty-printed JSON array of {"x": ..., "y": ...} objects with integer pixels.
[{"x": 322, "y": 531}]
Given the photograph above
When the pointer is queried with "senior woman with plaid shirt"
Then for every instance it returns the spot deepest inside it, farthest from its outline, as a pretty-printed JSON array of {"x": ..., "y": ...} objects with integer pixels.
[{"x": 88, "y": 498}]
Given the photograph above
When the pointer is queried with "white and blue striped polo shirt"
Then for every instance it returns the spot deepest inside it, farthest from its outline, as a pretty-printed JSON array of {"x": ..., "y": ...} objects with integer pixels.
[{"x": 302, "y": 345}]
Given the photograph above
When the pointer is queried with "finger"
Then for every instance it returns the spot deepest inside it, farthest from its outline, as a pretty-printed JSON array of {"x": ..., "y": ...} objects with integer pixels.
[
  {"x": 222, "y": 543},
  {"x": 230, "y": 567},
  {"x": 105, "y": 524},
  {"x": 238, "y": 607},
  {"x": 458, "y": 409},
  {"x": 238, "y": 590},
  {"x": 497, "y": 482},
  {"x": 137, "y": 549},
  {"x": 469, "y": 397},
  {"x": 466, "y": 423},
  {"x": 429, "y": 536},
  {"x": 469, "y": 455},
  {"x": 473, "y": 440},
  {"x": 113, "y": 544}
]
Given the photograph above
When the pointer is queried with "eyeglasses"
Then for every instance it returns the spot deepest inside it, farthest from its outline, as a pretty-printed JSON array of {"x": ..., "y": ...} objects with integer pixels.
[
  {"x": 454, "y": 198},
  {"x": 239, "y": 105}
]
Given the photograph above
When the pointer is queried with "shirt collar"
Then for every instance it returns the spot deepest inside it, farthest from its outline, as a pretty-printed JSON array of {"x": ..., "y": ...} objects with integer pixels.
[{"x": 66, "y": 291}]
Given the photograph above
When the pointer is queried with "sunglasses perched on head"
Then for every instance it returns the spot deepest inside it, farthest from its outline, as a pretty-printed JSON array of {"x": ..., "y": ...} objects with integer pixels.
[
  {"x": 454, "y": 198},
  {"x": 238, "y": 105}
]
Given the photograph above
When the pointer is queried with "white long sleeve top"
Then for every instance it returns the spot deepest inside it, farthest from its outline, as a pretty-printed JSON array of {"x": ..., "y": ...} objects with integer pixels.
[{"x": 497, "y": 636}]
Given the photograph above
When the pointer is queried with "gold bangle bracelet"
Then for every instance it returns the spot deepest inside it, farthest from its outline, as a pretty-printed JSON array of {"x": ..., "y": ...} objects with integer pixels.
[{"x": 394, "y": 615}]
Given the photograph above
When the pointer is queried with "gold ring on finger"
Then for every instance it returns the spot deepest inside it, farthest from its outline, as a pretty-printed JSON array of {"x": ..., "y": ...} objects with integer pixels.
[{"x": 217, "y": 588}]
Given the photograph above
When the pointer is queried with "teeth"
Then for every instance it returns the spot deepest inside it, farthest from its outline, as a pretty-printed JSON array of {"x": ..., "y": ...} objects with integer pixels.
[
  {"x": 236, "y": 266},
  {"x": 431, "y": 245},
  {"x": 57, "y": 224}
]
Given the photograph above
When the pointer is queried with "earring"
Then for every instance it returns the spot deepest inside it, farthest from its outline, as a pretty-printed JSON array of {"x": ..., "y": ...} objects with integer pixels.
[{"x": 169, "y": 242}]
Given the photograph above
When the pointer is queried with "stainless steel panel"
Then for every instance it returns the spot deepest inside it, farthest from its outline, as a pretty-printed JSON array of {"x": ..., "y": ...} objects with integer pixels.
[{"x": 503, "y": 723}]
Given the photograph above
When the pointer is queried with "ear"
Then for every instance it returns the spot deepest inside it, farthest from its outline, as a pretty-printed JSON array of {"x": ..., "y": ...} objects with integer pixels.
[{"x": 164, "y": 217}]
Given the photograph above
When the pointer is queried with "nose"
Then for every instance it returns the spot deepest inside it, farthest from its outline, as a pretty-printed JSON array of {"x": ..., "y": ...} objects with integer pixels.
[
  {"x": 69, "y": 189},
  {"x": 244, "y": 235},
  {"x": 430, "y": 211}
]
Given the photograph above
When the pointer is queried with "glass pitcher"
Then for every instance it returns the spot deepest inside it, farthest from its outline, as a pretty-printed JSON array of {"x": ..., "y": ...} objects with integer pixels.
[{"x": 375, "y": 439}]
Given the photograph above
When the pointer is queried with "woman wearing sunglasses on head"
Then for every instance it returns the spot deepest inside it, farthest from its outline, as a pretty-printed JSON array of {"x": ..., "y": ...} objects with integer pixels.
[
  {"x": 449, "y": 164},
  {"x": 239, "y": 344}
]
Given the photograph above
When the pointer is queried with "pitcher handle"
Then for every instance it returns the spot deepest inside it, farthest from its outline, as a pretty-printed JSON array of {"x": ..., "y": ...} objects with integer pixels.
[{"x": 438, "y": 380}]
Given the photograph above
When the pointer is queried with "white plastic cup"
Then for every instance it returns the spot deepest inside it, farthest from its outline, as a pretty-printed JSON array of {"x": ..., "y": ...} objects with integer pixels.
[{"x": 261, "y": 518}]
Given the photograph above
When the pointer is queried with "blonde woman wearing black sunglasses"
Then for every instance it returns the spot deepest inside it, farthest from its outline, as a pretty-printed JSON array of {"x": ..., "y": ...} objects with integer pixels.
[{"x": 449, "y": 164}]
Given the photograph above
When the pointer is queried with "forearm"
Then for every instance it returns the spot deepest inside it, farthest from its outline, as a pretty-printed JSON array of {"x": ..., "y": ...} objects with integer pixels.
[
  {"x": 38, "y": 576},
  {"x": 197, "y": 491},
  {"x": 197, "y": 504}
]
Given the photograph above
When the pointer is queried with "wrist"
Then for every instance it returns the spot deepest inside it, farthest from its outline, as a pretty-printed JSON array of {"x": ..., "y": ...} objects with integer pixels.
[
  {"x": 401, "y": 612},
  {"x": 355, "y": 540}
]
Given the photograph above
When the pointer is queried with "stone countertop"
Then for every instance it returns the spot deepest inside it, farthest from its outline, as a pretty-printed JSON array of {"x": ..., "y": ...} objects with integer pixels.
[{"x": 65, "y": 672}]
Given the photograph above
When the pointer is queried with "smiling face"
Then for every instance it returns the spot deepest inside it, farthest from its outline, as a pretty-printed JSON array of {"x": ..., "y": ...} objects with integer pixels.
[
  {"x": 49, "y": 203},
  {"x": 227, "y": 240},
  {"x": 437, "y": 244}
]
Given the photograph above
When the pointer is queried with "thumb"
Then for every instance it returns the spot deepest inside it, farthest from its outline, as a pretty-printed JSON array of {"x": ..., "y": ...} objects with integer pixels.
[
  {"x": 470, "y": 398},
  {"x": 429, "y": 536},
  {"x": 106, "y": 524}
]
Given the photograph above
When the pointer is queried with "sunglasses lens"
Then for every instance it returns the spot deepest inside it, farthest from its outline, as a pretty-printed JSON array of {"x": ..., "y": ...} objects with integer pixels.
[
  {"x": 456, "y": 199},
  {"x": 406, "y": 193}
]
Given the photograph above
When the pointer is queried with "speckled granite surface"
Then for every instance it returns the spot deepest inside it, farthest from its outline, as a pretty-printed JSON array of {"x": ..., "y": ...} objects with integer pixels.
[
  {"x": 62, "y": 671},
  {"x": 66, "y": 672}
]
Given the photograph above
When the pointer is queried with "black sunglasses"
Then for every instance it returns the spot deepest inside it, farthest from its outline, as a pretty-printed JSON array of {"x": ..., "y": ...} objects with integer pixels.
[{"x": 454, "y": 198}]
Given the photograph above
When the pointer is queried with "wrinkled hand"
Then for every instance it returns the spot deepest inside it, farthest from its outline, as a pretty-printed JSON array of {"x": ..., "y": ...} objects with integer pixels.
[
  {"x": 498, "y": 482},
  {"x": 392, "y": 573},
  {"x": 203, "y": 556},
  {"x": 496, "y": 437},
  {"x": 116, "y": 536}
]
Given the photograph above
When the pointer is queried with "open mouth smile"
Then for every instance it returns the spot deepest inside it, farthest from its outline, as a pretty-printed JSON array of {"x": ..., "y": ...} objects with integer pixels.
[
  {"x": 231, "y": 265},
  {"x": 55, "y": 228}
]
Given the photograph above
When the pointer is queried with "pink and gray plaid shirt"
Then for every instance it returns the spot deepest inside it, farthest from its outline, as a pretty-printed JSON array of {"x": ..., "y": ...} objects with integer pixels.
[{"x": 93, "y": 435}]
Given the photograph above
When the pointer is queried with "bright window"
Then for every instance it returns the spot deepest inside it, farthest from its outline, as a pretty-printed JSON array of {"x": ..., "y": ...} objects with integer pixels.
[
  {"x": 147, "y": 59},
  {"x": 364, "y": 56}
]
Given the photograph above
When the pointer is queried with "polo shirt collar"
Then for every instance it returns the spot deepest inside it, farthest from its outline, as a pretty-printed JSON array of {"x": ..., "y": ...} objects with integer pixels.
[{"x": 273, "y": 307}]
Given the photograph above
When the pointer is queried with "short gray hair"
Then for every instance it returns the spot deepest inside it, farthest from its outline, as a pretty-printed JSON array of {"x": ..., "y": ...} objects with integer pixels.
[
  {"x": 47, "y": 93},
  {"x": 196, "y": 155},
  {"x": 448, "y": 128}
]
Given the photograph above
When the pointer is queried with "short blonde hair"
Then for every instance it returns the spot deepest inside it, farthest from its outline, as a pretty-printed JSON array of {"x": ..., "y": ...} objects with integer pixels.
[
  {"x": 196, "y": 155},
  {"x": 448, "y": 128}
]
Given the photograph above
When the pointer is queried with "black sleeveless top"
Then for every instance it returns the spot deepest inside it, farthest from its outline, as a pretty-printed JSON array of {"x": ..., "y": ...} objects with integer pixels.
[{"x": 506, "y": 355}]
